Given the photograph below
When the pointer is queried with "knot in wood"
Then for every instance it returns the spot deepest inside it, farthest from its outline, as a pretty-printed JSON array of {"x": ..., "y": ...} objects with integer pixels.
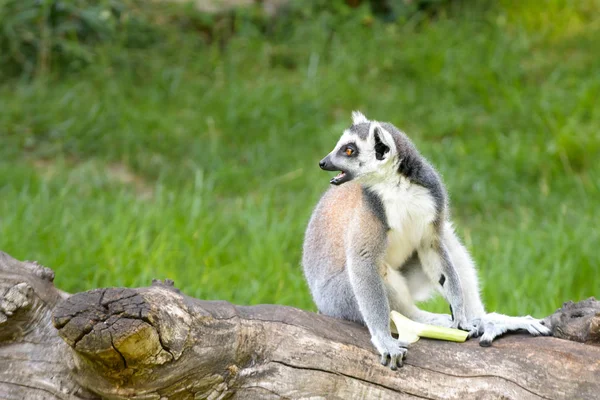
[
  {"x": 40, "y": 271},
  {"x": 578, "y": 322},
  {"x": 15, "y": 301},
  {"x": 167, "y": 284},
  {"x": 114, "y": 327}
]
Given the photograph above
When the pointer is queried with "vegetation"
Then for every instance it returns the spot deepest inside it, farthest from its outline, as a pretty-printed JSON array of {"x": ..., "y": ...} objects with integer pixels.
[{"x": 160, "y": 142}]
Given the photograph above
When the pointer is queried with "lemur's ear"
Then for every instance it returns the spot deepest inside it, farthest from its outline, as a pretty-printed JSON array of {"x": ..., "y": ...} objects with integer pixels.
[
  {"x": 358, "y": 118},
  {"x": 383, "y": 142}
]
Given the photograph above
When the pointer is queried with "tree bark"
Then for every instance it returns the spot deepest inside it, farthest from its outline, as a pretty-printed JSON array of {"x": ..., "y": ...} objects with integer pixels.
[{"x": 156, "y": 343}]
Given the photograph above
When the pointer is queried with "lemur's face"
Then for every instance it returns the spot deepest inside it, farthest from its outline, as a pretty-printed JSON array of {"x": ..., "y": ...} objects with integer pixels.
[{"x": 362, "y": 152}]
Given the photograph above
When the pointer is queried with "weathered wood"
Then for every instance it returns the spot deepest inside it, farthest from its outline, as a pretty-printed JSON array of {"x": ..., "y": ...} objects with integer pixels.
[
  {"x": 156, "y": 343},
  {"x": 579, "y": 322}
]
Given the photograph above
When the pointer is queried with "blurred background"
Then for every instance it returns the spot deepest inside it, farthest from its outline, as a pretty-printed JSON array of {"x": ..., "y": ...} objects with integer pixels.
[{"x": 175, "y": 139}]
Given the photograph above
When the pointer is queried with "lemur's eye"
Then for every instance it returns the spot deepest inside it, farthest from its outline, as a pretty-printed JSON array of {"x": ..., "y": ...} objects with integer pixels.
[{"x": 349, "y": 151}]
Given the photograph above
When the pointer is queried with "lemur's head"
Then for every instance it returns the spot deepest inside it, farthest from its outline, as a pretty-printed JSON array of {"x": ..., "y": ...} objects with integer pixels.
[{"x": 365, "y": 150}]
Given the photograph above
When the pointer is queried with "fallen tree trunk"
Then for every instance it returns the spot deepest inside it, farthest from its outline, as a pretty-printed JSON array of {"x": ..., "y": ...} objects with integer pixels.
[{"x": 156, "y": 343}]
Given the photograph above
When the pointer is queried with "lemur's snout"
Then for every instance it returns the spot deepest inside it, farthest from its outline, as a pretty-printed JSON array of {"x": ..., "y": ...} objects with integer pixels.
[
  {"x": 326, "y": 164},
  {"x": 340, "y": 178}
]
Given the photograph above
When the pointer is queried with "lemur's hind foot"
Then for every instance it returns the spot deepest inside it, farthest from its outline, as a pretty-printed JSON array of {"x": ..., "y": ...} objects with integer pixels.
[{"x": 493, "y": 325}]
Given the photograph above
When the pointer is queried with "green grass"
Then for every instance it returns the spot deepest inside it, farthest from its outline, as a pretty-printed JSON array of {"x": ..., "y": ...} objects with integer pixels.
[{"x": 183, "y": 161}]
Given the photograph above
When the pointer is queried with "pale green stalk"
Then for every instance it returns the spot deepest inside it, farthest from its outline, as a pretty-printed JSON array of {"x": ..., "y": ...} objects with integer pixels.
[{"x": 410, "y": 331}]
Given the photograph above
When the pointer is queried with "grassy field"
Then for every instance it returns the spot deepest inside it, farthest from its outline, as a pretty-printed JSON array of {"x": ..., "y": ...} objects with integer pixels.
[{"x": 199, "y": 164}]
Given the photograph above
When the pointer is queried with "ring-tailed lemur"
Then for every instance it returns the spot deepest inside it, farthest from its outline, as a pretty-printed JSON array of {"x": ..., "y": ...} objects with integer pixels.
[{"x": 381, "y": 239}]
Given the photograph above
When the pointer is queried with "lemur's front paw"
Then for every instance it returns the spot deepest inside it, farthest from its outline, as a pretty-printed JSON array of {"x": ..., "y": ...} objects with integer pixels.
[
  {"x": 469, "y": 326},
  {"x": 443, "y": 320},
  {"x": 392, "y": 351},
  {"x": 460, "y": 322},
  {"x": 492, "y": 325}
]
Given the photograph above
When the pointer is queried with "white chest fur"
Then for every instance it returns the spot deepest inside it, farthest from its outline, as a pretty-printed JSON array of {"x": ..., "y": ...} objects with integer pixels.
[{"x": 410, "y": 211}]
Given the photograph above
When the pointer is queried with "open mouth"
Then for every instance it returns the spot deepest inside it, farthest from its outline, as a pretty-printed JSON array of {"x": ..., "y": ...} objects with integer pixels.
[{"x": 340, "y": 178}]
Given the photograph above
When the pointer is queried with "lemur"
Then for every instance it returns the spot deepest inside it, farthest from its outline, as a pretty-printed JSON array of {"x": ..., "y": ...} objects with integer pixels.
[{"x": 381, "y": 238}]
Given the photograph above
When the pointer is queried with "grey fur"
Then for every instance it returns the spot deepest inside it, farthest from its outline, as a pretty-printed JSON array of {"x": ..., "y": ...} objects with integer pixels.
[
  {"x": 342, "y": 304},
  {"x": 371, "y": 296},
  {"x": 435, "y": 262},
  {"x": 375, "y": 205},
  {"x": 372, "y": 299},
  {"x": 360, "y": 130}
]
